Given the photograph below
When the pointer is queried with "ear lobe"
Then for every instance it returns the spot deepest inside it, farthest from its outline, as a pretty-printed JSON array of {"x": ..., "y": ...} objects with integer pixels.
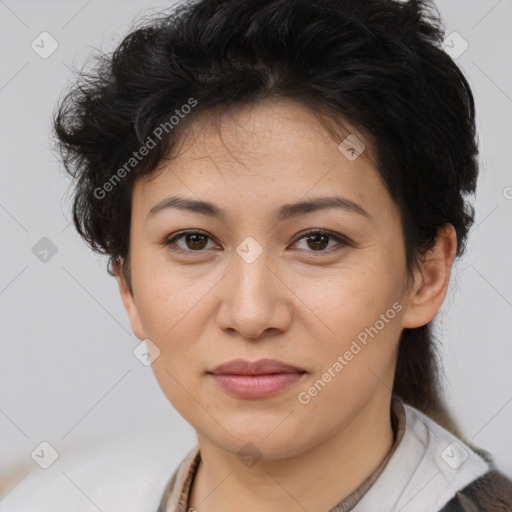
[
  {"x": 128, "y": 300},
  {"x": 431, "y": 280}
]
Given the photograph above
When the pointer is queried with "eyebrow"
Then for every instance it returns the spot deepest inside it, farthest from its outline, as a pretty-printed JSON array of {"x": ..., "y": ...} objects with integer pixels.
[{"x": 282, "y": 213}]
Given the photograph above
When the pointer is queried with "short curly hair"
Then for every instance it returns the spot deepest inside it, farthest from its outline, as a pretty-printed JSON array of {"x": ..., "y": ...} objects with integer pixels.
[{"x": 377, "y": 64}]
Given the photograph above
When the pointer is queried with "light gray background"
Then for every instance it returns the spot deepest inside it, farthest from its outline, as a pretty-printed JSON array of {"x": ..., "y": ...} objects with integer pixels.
[{"x": 67, "y": 370}]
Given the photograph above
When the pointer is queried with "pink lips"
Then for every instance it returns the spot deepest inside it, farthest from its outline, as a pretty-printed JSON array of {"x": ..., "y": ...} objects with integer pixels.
[{"x": 257, "y": 379}]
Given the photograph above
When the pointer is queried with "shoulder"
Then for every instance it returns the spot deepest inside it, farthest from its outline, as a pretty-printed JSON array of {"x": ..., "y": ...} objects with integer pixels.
[
  {"x": 126, "y": 473},
  {"x": 467, "y": 477},
  {"x": 488, "y": 491},
  {"x": 175, "y": 495},
  {"x": 170, "y": 489},
  {"x": 491, "y": 492}
]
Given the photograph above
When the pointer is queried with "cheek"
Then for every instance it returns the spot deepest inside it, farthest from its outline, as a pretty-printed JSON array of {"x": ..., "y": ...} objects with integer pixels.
[
  {"x": 174, "y": 313},
  {"x": 167, "y": 299},
  {"x": 353, "y": 299},
  {"x": 353, "y": 357},
  {"x": 358, "y": 317}
]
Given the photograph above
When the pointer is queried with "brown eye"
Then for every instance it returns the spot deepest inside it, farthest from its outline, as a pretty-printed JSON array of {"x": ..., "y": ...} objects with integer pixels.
[
  {"x": 195, "y": 241},
  {"x": 318, "y": 241}
]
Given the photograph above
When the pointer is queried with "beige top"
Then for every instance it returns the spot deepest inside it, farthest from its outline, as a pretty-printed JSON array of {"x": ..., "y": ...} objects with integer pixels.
[{"x": 177, "y": 492}]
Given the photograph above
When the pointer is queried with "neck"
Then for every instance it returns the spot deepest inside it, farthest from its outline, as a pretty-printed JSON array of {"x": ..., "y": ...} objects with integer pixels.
[{"x": 334, "y": 469}]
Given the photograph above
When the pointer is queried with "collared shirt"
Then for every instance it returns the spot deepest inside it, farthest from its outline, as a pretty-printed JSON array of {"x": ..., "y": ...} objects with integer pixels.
[{"x": 423, "y": 454}]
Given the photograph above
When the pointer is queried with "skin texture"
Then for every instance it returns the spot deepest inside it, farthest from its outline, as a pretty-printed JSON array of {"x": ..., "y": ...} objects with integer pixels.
[{"x": 295, "y": 303}]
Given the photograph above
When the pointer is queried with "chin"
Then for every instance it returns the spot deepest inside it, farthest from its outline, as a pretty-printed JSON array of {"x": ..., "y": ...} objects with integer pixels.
[{"x": 261, "y": 442}]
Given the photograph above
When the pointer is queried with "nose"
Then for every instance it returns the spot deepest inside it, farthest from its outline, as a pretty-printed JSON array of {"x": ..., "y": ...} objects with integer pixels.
[{"x": 256, "y": 301}]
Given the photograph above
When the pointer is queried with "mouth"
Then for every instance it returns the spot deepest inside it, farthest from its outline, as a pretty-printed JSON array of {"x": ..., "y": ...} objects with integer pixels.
[{"x": 258, "y": 379}]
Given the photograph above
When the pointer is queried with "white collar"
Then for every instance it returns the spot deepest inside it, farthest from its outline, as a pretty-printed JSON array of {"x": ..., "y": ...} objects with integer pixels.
[{"x": 428, "y": 467}]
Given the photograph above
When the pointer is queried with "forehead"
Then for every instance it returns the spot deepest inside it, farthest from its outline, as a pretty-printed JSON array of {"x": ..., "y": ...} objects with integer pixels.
[
  {"x": 266, "y": 152},
  {"x": 271, "y": 127}
]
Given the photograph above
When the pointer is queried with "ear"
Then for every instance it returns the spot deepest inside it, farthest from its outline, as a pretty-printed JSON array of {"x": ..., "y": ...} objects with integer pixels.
[
  {"x": 128, "y": 299},
  {"x": 431, "y": 280}
]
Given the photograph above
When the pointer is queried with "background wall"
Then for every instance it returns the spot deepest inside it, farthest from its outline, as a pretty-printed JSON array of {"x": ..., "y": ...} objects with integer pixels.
[{"x": 68, "y": 375}]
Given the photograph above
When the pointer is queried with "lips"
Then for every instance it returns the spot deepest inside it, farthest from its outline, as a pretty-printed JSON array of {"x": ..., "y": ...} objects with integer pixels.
[
  {"x": 261, "y": 367},
  {"x": 258, "y": 379}
]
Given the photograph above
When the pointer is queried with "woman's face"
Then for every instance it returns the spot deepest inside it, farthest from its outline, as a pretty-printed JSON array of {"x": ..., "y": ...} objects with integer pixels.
[{"x": 253, "y": 286}]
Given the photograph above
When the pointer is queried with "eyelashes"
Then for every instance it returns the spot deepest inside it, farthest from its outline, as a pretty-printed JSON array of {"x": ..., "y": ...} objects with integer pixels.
[{"x": 196, "y": 239}]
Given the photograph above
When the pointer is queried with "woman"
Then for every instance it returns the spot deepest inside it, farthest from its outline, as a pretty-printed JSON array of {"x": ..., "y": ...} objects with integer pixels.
[{"x": 280, "y": 187}]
